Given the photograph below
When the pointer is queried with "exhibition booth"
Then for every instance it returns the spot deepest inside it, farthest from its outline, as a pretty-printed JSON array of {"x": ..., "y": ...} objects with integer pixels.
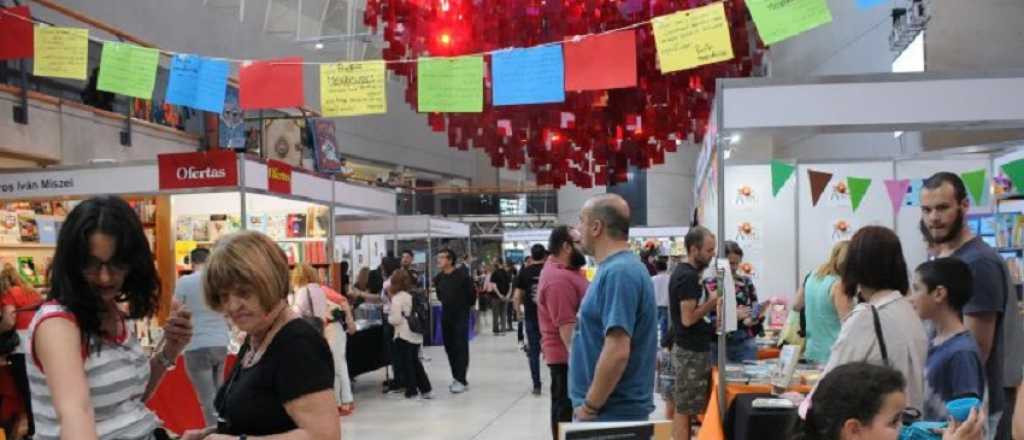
[{"x": 515, "y": 245}]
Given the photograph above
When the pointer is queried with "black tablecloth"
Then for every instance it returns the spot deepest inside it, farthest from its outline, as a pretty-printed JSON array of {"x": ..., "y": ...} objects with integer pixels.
[
  {"x": 744, "y": 422},
  {"x": 366, "y": 352}
]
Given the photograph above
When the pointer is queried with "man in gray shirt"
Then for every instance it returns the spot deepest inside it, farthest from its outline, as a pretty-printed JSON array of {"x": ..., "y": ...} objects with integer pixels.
[{"x": 204, "y": 356}]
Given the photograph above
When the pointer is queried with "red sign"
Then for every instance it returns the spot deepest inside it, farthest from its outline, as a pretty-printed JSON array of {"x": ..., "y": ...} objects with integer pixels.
[
  {"x": 279, "y": 177},
  {"x": 198, "y": 170}
]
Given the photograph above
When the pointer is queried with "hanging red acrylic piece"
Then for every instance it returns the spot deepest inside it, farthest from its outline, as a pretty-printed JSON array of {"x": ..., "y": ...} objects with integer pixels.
[
  {"x": 16, "y": 33},
  {"x": 601, "y": 62},
  {"x": 270, "y": 84}
]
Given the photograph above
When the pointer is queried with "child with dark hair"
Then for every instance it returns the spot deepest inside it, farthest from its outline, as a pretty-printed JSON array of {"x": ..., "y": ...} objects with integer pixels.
[
  {"x": 953, "y": 370},
  {"x": 853, "y": 401}
]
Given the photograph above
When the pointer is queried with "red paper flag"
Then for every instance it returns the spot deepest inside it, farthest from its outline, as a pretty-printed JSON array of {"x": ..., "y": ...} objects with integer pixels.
[
  {"x": 601, "y": 62},
  {"x": 505, "y": 127},
  {"x": 271, "y": 84},
  {"x": 16, "y": 32}
]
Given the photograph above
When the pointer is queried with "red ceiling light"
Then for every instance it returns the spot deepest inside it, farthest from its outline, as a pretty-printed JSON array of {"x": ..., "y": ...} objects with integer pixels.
[{"x": 445, "y": 39}]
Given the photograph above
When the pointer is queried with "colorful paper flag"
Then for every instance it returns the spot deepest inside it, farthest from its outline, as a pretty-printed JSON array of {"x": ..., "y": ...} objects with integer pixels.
[
  {"x": 1015, "y": 171},
  {"x": 61, "y": 52},
  {"x": 819, "y": 181},
  {"x": 601, "y": 62},
  {"x": 778, "y": 20},
  {"x": 897, "y": 189},
  {"x": 198, "y": 82},
  {"x": 692, "y": 38},
  {"x": 975, "y": 183},
  {"x": 914, "y": 193},
  {"x": 781, "y": 172},
  {"x": 127, "y": 69},
  {"x": 350, "y": 89},
  {"x": 528, "y": 76},
  {"x": 453, "y": 85},
  {"x": 16, "y": 33},
  {"x": 858, "y": 189},
  {"x": 868, "y": 4},
  {"x": 271, "y": 84}
]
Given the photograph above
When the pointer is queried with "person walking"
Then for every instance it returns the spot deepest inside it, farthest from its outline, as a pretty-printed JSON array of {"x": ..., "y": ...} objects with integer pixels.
[
  {"x": 825, "y": 305},
  {"x": 204, "y": 356},
  {"x": 612, "y": 362},
  {"x": 560, "y": 291},
  {"x": 526, "y": 300},
  {"x": 500, "y": 299},
  {"x": 455, "y": 290},
  {"x": 660, "y": 281},
  {"x": 407, "y": 342}
]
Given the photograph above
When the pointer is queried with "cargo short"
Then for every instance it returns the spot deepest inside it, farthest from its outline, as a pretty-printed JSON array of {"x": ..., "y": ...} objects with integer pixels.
[{"x": 693, "y": 380}]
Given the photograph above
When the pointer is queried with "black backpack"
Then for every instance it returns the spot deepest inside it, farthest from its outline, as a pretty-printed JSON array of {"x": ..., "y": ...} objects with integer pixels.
[{"x": 419, "y": 317}]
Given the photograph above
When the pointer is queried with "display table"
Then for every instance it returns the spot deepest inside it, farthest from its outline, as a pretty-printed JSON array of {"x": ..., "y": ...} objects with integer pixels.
[
  {"x": 366, "y": 351},
  {"x": 175, "y": 400},
  {"x": 711, "y": 426},
  {"x": 436, "y": 312},
  {"x": 768, "y": 353}
]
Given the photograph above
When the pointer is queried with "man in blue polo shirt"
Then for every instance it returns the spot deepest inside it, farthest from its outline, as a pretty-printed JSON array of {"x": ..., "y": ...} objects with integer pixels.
[{"x": 611, "y": 367}]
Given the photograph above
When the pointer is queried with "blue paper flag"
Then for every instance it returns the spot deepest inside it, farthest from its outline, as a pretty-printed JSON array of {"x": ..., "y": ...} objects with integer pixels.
[
  {"x": 198, "y": 82},
  {"x": 529, "y": 76},
  {"x": 868, "y": 4}
]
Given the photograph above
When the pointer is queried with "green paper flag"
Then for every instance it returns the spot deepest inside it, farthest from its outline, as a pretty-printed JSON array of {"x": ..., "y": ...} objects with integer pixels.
[
  {"x": 128, "y": 70},
  {"x": 781, "y": 172},
  {"x": 858, "y": 189},
  {"x": 453, "y": 85},
  {"x": 975, "y": 182},
  {"x": 1015, "y": 171},
  {"x": 778, "y": 20}
]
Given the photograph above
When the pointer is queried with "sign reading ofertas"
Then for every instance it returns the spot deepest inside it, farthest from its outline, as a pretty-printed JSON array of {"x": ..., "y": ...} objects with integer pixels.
[{"x": 198, "y": 170}]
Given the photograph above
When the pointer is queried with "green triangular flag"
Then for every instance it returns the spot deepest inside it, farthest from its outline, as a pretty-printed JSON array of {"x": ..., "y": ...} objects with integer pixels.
[
  {"x": 781, "y": 172},
  {"x": 1015, "y": 171},
  {"x": 975, "y": 182},
  {"x": 858, "y": 188}
]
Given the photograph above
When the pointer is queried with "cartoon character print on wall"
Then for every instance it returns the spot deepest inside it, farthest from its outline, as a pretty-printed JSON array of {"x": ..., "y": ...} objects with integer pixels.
[
  {"x": 746, "y": 197},
  {"x": 325, "y": 146},
  {"x": 842, "y": 230},
  {"x": 838, "y": 194},
  {"x": 748, "y": 235},
  {"x": 283, "y": 140}
]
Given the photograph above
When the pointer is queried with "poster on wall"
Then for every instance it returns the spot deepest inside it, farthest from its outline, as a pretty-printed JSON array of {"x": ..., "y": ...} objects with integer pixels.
[
  {"x": 232, "y": 122},
  {"x": 326, "y": 151},
  {"x": 842, "y": 230},
  {"x": 838, "y": 194},
  {"x": 282, "y": 140},
  {"x": 746, "y": 197},
  {"x": 748, "y": 234}
]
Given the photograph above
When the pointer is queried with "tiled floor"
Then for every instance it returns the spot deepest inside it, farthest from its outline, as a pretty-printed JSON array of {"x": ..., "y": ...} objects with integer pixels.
[{"x": 498, "y": 406}]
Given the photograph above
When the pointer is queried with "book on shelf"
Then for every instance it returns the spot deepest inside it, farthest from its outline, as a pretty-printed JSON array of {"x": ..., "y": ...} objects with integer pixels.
[
  {"x": 48, "y": 228},
  {"x": 10, "y": 232},
  {"x": 296, "y": 226},
  {"x": 318, "y": 221},
  {"x": 183, "y": 228},
  {"x": 256, "y": 222},
  {"x": 27, "y": 269},
  {"x": 200, "y": 228},
  {"x": 28, "y": 226},
  {"x": 277, "y": 226}
]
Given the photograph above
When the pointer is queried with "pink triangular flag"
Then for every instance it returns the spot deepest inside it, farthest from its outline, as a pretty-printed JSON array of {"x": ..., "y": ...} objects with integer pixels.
[{"x": 897, "y": 192}]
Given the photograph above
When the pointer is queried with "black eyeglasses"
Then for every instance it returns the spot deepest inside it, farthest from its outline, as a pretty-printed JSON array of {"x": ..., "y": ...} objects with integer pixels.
[{"x": 94, "y": 266}]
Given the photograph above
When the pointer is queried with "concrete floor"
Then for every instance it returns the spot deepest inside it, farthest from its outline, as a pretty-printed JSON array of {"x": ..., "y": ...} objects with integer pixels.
[{"x": 498, "y": 406}]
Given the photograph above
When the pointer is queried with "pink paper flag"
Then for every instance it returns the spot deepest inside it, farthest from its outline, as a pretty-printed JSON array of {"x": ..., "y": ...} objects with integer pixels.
[{"x": 897, "y": 191}]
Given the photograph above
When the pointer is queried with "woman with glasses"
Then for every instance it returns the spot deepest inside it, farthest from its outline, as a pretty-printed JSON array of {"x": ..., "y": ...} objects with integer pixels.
[{"x": 88, "y": 374}]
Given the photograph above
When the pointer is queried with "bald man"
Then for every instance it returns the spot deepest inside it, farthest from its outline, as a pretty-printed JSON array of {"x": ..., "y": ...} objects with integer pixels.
[{"x": 611, "y": 367}]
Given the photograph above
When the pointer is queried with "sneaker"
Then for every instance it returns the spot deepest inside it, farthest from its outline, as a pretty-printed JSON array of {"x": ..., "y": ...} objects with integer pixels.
[
  {"x": 392, "y": 391},
  {"x": 458, "y": 388},
  {"x": 427, "y": 396},
  {"x": 536, "y": 391}
]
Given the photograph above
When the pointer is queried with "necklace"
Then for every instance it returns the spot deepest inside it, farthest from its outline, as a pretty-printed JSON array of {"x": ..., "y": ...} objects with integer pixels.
[{"x": 253, "y": 356}]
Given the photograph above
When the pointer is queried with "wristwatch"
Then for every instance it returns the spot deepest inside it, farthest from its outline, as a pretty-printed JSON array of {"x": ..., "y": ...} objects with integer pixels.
[{"x": 168, "y": 364}]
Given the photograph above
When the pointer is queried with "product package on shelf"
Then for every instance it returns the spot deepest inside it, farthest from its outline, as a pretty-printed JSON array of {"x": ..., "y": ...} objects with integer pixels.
[
  {"x": 183, "y": 228},
  {"x": 201, "y": 229},
  {"x": 28, "y": 226},
  {"x": 48, "y": 228},
  {"x": 296, "y": 226},
  {"x": 221, "y": 225},
  {"x": 27, "y": 269},
  {"x": 277, "y": 226},
  {"x": 10, "y": 232},
  {"x": 318, "y": 221},
  {"x": 257, "y": 222},
  {"x": 315, "y": 252}
]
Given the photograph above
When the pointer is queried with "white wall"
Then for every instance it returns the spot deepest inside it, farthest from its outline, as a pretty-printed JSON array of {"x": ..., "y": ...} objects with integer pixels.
[{"x": 670, "y": 188}]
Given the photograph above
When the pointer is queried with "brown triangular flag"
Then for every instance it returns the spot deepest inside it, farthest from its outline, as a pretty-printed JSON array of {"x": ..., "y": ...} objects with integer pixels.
[{"x": 819, "y": 181}]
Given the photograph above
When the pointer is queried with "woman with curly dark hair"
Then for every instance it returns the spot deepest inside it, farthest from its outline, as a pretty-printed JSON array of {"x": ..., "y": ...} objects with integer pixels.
[{"x": 90, "y": 378}]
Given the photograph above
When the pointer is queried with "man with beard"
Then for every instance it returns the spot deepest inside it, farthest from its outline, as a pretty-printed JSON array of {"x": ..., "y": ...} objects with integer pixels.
[
  {"x": 560, "y": 292},
  {"x": 991, "y": 312},
  {"x": 689, "y": 306},
  {"x": 612, "y": 357},
  {"x": 407, "y": 259}
]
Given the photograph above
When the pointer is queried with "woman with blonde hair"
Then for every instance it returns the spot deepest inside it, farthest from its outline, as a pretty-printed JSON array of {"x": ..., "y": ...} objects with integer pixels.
[
  {"x": 825, "y": 304},
  {"x": 283, "y": 381}
]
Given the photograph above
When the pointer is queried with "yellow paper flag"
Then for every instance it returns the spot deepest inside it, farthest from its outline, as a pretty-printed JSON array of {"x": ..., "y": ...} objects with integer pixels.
[
  {"x": 692, "y": 38},
  {"x": 349, "y": 89},
  {"x": 61, "y": 52}
]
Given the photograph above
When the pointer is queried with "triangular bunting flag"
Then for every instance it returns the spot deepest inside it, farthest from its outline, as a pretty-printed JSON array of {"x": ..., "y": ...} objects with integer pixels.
[
  {"x": 819, "y": 181},
  {"x": 858, "y": 188},
  {"x": 975, "y": 183},
  {"x": 897, "y": 190},
  {"x": 1015, "y": 171},
  {"x": 781, "y": 172}
]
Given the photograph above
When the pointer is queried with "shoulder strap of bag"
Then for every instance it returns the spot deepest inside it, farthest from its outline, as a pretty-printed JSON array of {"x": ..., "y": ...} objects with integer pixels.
[
  {"x": 880, "y": 336},
  {"x": 309, "y": 300},
  {"x": 803, "y": 312}
]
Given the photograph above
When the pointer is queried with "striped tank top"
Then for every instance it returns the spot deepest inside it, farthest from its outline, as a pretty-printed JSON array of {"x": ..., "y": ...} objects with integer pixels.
[{"x": 117, "y": 377}]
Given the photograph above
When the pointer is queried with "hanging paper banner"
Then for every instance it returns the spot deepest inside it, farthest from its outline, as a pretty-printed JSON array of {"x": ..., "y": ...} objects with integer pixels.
[
  {"x": 858, "y": 189},
  {"x": 16, "y": 33},
  {"x": 1015, "y": 171},
  {"x": 868, "y": 4},
  {"x": 897, "y": 190},
  {"x": 61, "y": 52},
  {"x": 819, "y": 181},
  {"x": 914, "y": 193},
  {"x": 198, "y": 82},
  {"x": 975, "y": 183},
  {"x": 351, "y": 89},
  {"x": 778, "y": 20},
  {"x": 692, "y": 38},
  {"x": 271, "y": 84},
  {"x": 127, "y": 69},
  {"x": 781, "y": 172},
  {"x": 231, "y": 131},
  {"x": 601, "y": 62},
  {"x": 528, "y": 76},
  {"x": 451, "y": 85}
]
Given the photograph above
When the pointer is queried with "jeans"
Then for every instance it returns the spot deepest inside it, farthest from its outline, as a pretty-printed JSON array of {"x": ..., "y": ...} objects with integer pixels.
[
  {"x": 410, "y": 369},
  {"x": 992, "y": 425},
  {"x": 736, "y": 350},
  {"x": 455, "y": 331},
  {"x": 561, "y": 406},
  {"x": 533, "y": 350},
  {"x": 205, "y": 368},
  {"x": 499, "y": 314},
  {"x": 663, "y": 324},
  {"x": 389, "y": 348},
  {"x": 342, "y": 383}
]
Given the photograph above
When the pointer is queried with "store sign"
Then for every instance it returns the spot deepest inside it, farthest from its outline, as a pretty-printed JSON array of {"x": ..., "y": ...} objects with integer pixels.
[
  {"x": 198, "y": 170},
  {"x": 75, "y": 182},
  {"x": 279, "y": 177}
]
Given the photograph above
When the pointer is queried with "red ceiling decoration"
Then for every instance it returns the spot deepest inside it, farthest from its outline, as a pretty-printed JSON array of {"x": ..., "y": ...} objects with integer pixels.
[{"x": 594, "y": 136}]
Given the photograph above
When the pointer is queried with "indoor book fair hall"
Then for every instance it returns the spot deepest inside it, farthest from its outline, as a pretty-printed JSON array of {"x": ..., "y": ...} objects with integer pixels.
[{"x": 511, "y": 220}]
